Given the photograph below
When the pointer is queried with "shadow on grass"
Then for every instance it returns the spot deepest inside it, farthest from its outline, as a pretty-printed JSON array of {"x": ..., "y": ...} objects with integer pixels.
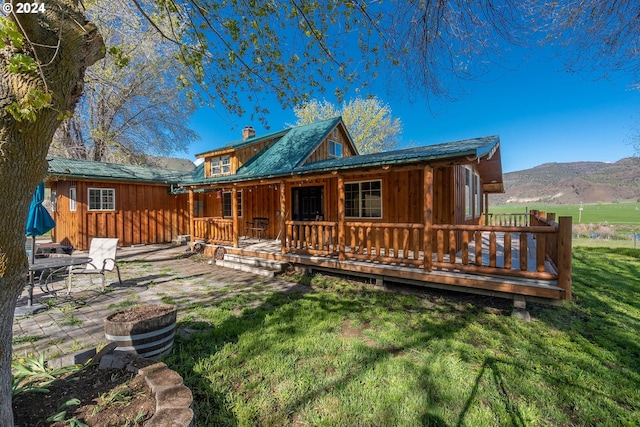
[{"x": 282, "y": 313}]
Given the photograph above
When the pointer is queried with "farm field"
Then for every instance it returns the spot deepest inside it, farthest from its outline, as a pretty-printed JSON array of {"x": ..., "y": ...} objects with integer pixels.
[
  {"x": 608, "y": 225},
  {"x": 597, "y": 213}
]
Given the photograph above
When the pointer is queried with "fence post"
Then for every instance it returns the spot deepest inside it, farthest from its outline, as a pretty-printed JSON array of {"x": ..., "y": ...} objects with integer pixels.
[{"x": 564, "y": 255}]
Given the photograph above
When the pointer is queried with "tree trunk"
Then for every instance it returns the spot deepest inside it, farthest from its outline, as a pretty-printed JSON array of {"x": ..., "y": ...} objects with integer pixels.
[{"x": 24, "y": 144}]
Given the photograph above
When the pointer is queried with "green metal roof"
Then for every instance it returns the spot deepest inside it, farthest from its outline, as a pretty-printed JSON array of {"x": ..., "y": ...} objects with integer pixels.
[
  {"x": 285, "y": 157},
  {"x": 60, "y": 167},
  {"x": 476, "y": 147},
  {"x": 248, "y": 141}
]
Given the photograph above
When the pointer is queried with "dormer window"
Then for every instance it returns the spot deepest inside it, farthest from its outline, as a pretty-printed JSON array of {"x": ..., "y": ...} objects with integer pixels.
[
  {"x": 335, "y": 149},
  {"x": 225, "y": 165},
  {"x": 215, "y": 166},
  {"x": 220, "y": 165}
]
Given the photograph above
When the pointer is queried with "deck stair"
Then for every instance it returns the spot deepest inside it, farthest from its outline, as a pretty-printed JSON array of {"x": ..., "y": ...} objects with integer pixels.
[{"x": 258, "y": 266}]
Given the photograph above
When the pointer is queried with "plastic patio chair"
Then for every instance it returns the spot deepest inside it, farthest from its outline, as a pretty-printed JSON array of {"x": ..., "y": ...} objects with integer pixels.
[{"x": 102, "y": 252}]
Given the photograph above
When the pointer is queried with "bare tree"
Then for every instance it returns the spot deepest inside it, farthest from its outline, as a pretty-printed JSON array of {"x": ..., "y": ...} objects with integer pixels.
[{"x": 133, "y": 103}]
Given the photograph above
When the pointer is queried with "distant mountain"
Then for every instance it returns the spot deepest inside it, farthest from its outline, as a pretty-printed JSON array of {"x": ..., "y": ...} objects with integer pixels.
[
  {"x": 572, "y": 183},
  {"x": 173, "y": 163}
]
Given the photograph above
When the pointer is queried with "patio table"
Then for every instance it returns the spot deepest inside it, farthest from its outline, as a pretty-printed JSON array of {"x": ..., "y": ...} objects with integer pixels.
[{"x": 53, "y": 265}]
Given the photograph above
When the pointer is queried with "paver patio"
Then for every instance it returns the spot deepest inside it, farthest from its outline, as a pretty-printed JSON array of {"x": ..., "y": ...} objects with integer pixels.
[{"x": 150, "y": 274}]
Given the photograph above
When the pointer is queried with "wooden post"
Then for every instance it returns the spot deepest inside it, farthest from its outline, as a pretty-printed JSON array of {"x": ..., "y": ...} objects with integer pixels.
[
  {"x": 283, "y": 209},
  {"x": 564, "y": 255},
  {"x": 192, "y": 228},
  {"x": 428, "y": 217},
  {"x": 234, "y": 215},
  {"x": 341, "y": 218},
  {"x": 486, "y": 208}
]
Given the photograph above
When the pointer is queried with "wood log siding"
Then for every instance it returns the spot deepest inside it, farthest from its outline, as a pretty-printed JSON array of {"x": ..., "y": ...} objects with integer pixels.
[{"x": 213, "y": 230}]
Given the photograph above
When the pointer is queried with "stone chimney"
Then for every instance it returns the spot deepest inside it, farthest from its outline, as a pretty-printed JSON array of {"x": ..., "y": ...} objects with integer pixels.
[{"x": 248, "y": 132}]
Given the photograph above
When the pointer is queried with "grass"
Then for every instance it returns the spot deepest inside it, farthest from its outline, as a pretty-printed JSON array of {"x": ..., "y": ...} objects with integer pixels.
[
  {"x": 342, "y": 353},
  {"x": 597, "y": 213}
]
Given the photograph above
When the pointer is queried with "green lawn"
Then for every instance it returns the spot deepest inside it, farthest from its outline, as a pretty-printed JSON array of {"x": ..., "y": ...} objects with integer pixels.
[
  {"x": 612, "y": 213},
  {"x": 335, "y": 353}
]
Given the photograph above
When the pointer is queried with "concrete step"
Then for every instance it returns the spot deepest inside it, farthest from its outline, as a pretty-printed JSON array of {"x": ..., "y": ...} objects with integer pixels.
[{"x": 257, "y": 266}]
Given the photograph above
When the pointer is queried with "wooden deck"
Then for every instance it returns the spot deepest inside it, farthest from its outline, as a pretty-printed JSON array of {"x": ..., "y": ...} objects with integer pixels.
[{"x": 440, "y": 277}]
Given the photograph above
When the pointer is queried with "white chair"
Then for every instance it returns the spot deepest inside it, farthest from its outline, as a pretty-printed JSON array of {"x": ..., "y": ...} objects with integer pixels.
[{"x": 103, "y": 260}]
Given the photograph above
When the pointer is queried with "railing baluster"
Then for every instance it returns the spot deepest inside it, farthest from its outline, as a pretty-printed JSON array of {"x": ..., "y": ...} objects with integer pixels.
[
  {"x": 452, "y": 247},
  {"x": 478, "y": 247},
  {"x": 492, "y": 249},
  {"x": 395, "y": 242},
  {"x": 507, "y": 251},
  {"x": 440, "y": 243},
  {"x": 523, "y": 251},
  {"x": 540, "y": 252},
  {"x": 368, "y": 239},
  {"x": 465, "y": 247}
]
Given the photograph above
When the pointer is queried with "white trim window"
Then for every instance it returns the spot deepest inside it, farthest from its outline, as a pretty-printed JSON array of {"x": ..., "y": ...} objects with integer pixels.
[
  {"x": 102, "y": 199},
  {"x": 477, "y": 194},
  {"x": 225, "y": 165},
  {"x": 335, "y": 148},
  {"x": 468, "y": 193},
  {"x": 215, "y": 166},
  {"x": 226, "y": 204},
  {"x": 72, "y": 199},
  {"x": 363, "y": 199}
]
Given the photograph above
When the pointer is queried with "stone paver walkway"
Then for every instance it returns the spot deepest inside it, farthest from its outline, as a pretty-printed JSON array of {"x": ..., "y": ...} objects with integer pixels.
[{"x": 150, "y": 274}]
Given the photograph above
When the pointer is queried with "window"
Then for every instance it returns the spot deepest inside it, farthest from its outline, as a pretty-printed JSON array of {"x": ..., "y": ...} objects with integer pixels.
[
  {"x": 215, "y": 166},
  {"x": 334, "y": 133},
  {"x": 102, "y": 199},
  {"x": 226, "y": 204},
  {"x": 72, "y": 199},
  {"x": 477, "y": 194},
  {"x": 363, "y": 199},
  {"x": 468, "y": 193},
  {"x": 226, "y": 165},
  {"x": 220, "y": 165},
  {"x": 335, "y": 149}
]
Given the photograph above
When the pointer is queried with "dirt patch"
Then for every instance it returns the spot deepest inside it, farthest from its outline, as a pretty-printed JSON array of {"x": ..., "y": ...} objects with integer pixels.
[
  {"x": 108, "y": 397},
  {"x": 140, "y": 313}
]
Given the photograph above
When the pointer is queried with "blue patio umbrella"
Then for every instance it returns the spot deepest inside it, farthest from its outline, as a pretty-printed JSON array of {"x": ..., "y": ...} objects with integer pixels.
[{"x": 39, "y": 221}]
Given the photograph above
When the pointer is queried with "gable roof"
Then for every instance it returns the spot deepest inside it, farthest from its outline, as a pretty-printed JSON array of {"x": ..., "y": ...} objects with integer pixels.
[
  {"x": 285, "y": 161},
  {"x": 61, "y": 168},
  {"x": 243, "y": 142}
]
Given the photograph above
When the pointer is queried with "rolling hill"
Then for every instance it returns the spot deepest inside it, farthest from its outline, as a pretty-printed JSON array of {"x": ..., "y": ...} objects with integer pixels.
[{"x": 571, "y": 183}]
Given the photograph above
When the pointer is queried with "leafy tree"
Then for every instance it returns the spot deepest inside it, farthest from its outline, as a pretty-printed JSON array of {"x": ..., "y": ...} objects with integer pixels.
[
  {"x": 132, "y": 103},
  {"x": 240, "y": 51},
  {"x": 369, "y": 121}
]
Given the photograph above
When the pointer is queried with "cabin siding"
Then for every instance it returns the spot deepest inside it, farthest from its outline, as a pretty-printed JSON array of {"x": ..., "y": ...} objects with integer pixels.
[
  {"x": 144, "y": 214},
  {"x": 322, "y": 151}
]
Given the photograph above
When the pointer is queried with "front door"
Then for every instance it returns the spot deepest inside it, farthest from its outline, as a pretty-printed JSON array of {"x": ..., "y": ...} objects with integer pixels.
[{"x": 308, "y": 203}]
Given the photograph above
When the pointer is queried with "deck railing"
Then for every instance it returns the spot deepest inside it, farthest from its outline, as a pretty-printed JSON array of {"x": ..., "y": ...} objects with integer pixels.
[
  {"x": 312, "y": 237},
  {"x": 395, "y": 243},
  {"x": 508, "y": 219},
  {"x": 213, "y": 230}
]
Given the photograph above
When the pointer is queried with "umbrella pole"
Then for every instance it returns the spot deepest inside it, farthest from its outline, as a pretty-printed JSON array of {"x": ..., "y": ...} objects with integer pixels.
[{"x": 33, "y": 258}]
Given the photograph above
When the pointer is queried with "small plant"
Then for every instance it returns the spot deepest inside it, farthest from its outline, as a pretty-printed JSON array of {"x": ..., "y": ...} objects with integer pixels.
[
  {"x": 120, "y": 396},
  {"x": 70, "y": 320},
  {"x": 31, "y": 374},
  {"x": 61, "y": 416}
]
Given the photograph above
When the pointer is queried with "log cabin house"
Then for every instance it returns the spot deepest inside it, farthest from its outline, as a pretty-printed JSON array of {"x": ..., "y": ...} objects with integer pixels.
[
  {"x": 305, "y": 196},
  {"x": 414, "y": 215},
  {"x": 135, "y": 204}
]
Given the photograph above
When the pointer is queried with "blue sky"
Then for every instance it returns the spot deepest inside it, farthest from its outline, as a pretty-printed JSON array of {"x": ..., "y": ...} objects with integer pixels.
[{"x": 541, "y": 112}]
